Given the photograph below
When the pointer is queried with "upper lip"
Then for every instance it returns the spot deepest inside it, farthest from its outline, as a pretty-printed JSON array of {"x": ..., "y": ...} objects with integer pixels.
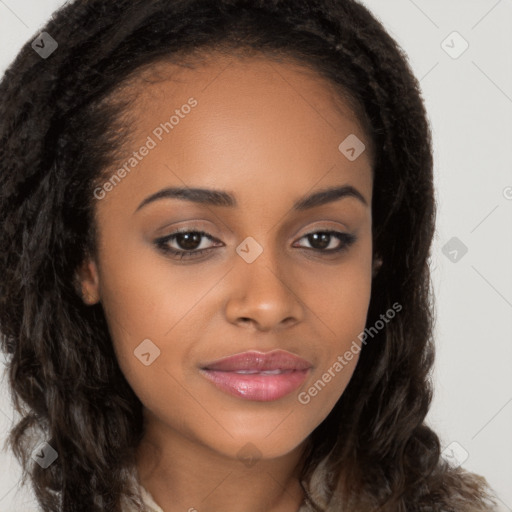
[{"x": 259, "y": 361}]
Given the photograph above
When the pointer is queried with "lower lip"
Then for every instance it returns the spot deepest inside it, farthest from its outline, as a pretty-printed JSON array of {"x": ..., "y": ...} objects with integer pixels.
[{"x": 257, "y": 386}]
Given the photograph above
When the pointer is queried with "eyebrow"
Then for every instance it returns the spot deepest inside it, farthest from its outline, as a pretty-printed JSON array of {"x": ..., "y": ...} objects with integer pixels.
[{"x": 222, "y": 198}]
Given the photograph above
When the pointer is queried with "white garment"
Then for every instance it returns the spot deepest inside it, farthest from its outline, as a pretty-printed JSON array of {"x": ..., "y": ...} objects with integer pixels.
[
  {"x": 149, "y": 502},
  {"x": 151, "y": 506}
]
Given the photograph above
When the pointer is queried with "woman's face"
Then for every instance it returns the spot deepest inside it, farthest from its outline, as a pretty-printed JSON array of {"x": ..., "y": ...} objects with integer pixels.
[{"x": 258, "y": 139}]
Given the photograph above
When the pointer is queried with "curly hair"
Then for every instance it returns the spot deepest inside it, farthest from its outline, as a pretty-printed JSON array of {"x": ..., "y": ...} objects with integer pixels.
[{"x": 62, "y": 124}]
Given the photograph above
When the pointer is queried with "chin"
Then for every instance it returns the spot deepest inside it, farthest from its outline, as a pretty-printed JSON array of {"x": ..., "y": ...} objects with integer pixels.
[{"x": 249, "y": 447}]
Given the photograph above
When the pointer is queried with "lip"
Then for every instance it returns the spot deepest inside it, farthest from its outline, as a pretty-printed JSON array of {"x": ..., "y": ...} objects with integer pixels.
[{"x": 258, "y": 376}]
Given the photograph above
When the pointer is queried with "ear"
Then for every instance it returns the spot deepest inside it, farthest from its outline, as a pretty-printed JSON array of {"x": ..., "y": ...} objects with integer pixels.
[
  {"x": 87, "y": 281},
  {"x": 377, "y": 263}
]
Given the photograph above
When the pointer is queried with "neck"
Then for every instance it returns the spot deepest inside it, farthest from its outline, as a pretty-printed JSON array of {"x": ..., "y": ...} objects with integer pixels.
[{"x": 183, "y": 475}]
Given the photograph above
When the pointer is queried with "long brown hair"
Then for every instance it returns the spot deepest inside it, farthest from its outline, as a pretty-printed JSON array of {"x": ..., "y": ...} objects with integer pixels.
[{"x": 61, "y": 126}]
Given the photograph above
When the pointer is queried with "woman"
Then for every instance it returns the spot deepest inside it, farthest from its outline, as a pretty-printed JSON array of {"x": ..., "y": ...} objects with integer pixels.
[{"x": 216, "y": 223}]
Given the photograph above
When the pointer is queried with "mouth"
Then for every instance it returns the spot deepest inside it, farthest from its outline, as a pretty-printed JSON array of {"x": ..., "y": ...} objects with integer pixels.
[{"x": 258, "y": 376}]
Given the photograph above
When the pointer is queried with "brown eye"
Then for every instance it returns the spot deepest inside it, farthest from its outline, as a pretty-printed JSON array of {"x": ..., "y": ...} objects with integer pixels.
[
  {"x": 329, "y": 241},
  {"x": 186, "y": 243}
]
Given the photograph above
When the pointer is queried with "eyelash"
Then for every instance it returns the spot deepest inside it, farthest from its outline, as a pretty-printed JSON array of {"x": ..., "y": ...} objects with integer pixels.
[{"x": 346, "y": 240}]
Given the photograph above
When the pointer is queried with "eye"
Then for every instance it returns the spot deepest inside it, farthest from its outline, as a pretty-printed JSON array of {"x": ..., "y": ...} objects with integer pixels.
[
  {"x": 329, "y": 241},
  {"x": 189, "y": 243}
]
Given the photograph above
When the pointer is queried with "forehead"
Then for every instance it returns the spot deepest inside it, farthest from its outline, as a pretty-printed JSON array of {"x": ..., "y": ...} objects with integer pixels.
[
  {"x": 225, "y": 82},
  {"x": 254, "y": 119}
]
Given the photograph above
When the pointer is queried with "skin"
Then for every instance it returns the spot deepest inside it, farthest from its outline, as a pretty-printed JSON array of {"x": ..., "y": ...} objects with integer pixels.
[{"x": 268, "y": 133}]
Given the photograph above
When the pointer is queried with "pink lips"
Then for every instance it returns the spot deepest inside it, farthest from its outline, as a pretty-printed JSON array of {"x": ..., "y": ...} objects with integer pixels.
[{"x": 258, "y": 376}]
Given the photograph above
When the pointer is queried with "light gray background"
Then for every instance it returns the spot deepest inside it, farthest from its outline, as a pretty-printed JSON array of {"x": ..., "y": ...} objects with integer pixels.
[{"x": 469, "y": 101}]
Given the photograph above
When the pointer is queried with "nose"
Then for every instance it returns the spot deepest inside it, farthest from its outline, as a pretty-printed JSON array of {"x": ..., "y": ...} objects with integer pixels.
[{"x": 263, "y": 294}]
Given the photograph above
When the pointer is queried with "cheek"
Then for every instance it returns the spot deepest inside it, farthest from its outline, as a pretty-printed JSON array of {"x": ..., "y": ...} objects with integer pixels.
[
  {"x": 343, "y": 314},
  {"x": 339, "y": 296},
  {"x": 143, "y": 300},
  {"x": 147, "y": 304},
  {"x": 144, "y": 296},
  {"x": 340, "y": 301}
]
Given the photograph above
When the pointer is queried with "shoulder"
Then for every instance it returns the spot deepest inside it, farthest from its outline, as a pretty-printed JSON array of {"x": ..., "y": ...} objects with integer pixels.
[{"x": 445, "y": 489}]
